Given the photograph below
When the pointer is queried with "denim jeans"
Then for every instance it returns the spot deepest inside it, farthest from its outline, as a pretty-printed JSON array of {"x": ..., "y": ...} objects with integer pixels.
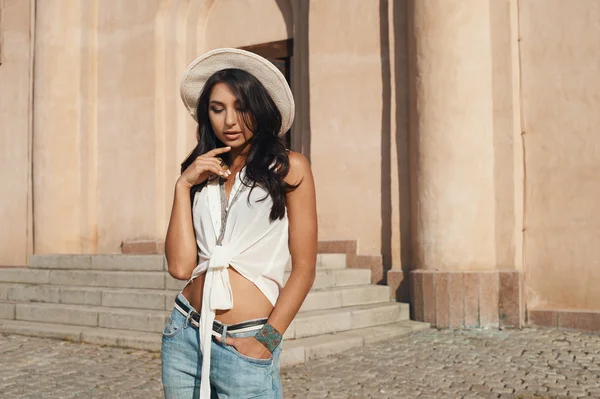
[{"x": 232, "y": 375}]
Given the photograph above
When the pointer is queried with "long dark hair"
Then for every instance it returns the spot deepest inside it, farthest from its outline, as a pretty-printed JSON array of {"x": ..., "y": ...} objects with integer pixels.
[{"x": 267, "y": 162}]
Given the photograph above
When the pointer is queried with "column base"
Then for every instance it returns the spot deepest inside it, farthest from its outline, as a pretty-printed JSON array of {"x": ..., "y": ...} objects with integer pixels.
[
  {"x": 468, "y": 299},
  {"x": 580, "y": 320}
]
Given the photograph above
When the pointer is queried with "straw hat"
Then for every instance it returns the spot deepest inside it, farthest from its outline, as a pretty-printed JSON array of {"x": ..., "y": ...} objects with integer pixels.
[{"x": 262, "y": 69}]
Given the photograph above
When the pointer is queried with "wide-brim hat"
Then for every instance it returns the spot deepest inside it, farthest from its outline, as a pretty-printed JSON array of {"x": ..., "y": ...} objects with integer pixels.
[{"x": 207, "y": 64}]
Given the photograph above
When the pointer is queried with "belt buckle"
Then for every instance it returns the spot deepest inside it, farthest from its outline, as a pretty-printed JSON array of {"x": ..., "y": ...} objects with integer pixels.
[{"x": 217, "y": 328}]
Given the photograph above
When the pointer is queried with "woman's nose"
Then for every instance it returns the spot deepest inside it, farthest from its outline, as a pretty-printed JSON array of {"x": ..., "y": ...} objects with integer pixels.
[{"x": 230, "y": 118}]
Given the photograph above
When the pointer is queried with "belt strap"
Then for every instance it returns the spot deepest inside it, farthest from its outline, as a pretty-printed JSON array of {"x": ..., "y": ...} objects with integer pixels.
[{"x": 218, "y": 327}]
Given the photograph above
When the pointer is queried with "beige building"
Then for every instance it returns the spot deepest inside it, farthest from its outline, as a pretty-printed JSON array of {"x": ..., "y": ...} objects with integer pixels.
[{"x": 455, "y": 143}]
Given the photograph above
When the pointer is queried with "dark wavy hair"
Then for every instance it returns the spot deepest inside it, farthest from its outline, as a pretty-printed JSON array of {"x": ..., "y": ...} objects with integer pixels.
[{"x": 267, "y": 162}]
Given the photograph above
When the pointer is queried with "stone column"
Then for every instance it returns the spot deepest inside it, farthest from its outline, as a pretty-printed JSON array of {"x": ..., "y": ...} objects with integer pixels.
[{"x": 452, "y": 150}]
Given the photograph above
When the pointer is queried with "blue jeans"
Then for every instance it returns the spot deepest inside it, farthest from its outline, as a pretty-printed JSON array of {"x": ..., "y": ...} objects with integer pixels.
[{"x": 232, "y": 375}]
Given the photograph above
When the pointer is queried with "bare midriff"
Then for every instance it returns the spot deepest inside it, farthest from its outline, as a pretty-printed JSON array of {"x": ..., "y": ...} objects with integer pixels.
[{"x": 248, "y": 301}]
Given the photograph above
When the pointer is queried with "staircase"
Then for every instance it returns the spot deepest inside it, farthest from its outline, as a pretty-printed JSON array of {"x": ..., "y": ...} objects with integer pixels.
[{"x": 124, "y": 300}]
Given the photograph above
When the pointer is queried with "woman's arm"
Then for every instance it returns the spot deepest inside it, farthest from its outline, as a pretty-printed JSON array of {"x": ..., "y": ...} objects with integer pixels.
[
  {"x": 302, "y": 215},
  {"x": 180, "y": 243}
]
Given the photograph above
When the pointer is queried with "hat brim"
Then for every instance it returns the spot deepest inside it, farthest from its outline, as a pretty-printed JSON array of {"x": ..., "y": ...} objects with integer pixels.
[{"x": 202, "y": 68}]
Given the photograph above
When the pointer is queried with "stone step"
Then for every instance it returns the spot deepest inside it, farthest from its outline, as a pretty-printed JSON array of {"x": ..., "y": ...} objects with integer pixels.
[
  {"x": 304, "y": 325},
  {"x": 346, "y": 296},
  {"x": 317, "y": 299},
  {"x": 155, "y": 279},
  {"x": 307, "y": 324},
  {"x": 325, "y": 278},
  {"x": 141, "y": 262},
  {"x": 299, "y": 351},
  {"x": 295, "y": 351},
  {"x": 92, "y": 335}
]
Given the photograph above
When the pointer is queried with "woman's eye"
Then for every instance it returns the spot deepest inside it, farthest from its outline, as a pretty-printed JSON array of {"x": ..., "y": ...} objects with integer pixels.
[{"x": 217, "y": 110}]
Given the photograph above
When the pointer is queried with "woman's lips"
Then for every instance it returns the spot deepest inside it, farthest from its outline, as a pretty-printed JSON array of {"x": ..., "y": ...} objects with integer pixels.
[{"x": 232, "y": 136}]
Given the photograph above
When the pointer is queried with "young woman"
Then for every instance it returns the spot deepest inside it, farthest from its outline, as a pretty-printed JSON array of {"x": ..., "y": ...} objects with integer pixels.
[{"x": 243, "y": 204}]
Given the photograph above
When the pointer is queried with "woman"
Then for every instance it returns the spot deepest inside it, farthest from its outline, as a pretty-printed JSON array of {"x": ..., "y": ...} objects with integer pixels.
[{"x": 243, "y": 204}]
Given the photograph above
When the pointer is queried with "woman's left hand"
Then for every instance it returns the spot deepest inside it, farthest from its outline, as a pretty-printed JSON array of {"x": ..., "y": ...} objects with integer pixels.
[{"x": 248, "y": 347}]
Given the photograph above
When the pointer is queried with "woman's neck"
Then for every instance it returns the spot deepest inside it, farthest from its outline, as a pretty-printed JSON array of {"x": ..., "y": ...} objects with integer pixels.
[{"x": 237, "y": 158}]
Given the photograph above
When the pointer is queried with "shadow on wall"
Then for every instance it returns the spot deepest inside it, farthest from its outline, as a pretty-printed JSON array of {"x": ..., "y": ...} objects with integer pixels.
[
  {"x": 284, "y": 6},
  {"x": 297, "y": 28},
  {"x": 400, "y": 132}
]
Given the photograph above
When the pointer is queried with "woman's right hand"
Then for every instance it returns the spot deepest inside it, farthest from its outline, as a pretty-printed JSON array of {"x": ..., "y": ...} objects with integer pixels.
[{"x": 204, "y": 166}]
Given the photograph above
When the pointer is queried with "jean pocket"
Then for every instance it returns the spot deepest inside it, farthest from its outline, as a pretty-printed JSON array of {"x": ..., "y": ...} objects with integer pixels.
[
  {"x": 174, "y": 325},
  {"x": 247, "y": 359}
]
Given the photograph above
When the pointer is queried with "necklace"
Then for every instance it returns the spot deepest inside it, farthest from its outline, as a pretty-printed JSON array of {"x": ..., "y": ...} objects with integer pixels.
[{"x": 226, "y": 207}]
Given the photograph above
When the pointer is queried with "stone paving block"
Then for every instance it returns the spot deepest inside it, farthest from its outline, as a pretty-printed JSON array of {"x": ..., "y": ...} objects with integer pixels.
[
  {"x": 290, "y": 333},
  {"x": 320, "y": 347},
  {"x": 325, "y": 262},
  {"x": 128, "y": 262},
  {"x": 488, "y": 300},
  {"x": 323, "y": 279},
  {"x": 442, "y": 301},
  {"x": 404, "y": 311},
  {"x": 35, "y": 293},
  {"x": 41, "y": 330},
  {"x": 123, "y": 339},
  {"x": 471, "y": 306},
  {"x": 347, "y": 277},
  {"x": 60, "y": 261},
  {"x": 546, "y": 318},
  {"x": 373, "y": 316},
  {"x": 136, "y": 320},
  {"x": 7, "y": 310},
  {"x": 582, "y": 321},
  {"x": 109, "y": 279},
  {"x": 503, "y": 390},
  {"x": 134, "y": 299},
  {"x": 292, "y": 356},
  {"x": 174, "y": 284},
  {"x": 322, "y": 323},
  {"x": 456, "y": 300},
  {"x": 429, "y": 298},
  {"x": 81, "y": 295},
  {"x": 387, "y": 332},
  {"x": 338, "y": 278},
  {"x": 331, "y": 261},
  {"x": 415, "y": 281},
  {"x": 509, "y": 300},
  {"x": 416, "y": 325},
  {"x": 170, "y": 299},
  {"x": 368, "y": 294},
  {"x": 57, "y": 313},
  {"x": 24, "y": 275},
  {"x": 326, "y": 299},
  {"x": 4, "y": 288}
]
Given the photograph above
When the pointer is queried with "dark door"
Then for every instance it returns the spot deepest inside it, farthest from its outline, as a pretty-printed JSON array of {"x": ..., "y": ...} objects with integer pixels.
[{"x": 280, "y": 54}]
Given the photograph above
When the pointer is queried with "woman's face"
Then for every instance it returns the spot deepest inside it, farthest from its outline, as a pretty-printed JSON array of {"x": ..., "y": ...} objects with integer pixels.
[{"x": 226, "y": 117}]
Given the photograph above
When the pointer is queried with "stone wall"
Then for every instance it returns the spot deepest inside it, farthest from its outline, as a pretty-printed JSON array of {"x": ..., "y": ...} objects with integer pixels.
[{"x": 455, "y": 141}]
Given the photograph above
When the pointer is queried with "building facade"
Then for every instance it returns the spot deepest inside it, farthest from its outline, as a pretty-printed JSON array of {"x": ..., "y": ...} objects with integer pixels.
[{"x": 455, "y": 142}]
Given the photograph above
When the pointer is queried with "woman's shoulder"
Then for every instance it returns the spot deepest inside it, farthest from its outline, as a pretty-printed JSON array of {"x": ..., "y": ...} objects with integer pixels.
[{"x": 299, "y": 167}]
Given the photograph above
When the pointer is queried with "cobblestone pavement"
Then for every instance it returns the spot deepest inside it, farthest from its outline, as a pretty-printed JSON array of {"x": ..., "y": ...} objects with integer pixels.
[{"x": 429, "y": 364}]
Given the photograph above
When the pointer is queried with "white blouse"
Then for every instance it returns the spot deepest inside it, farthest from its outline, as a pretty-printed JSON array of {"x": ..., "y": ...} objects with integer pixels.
[{"x": 253, "y": 245}]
